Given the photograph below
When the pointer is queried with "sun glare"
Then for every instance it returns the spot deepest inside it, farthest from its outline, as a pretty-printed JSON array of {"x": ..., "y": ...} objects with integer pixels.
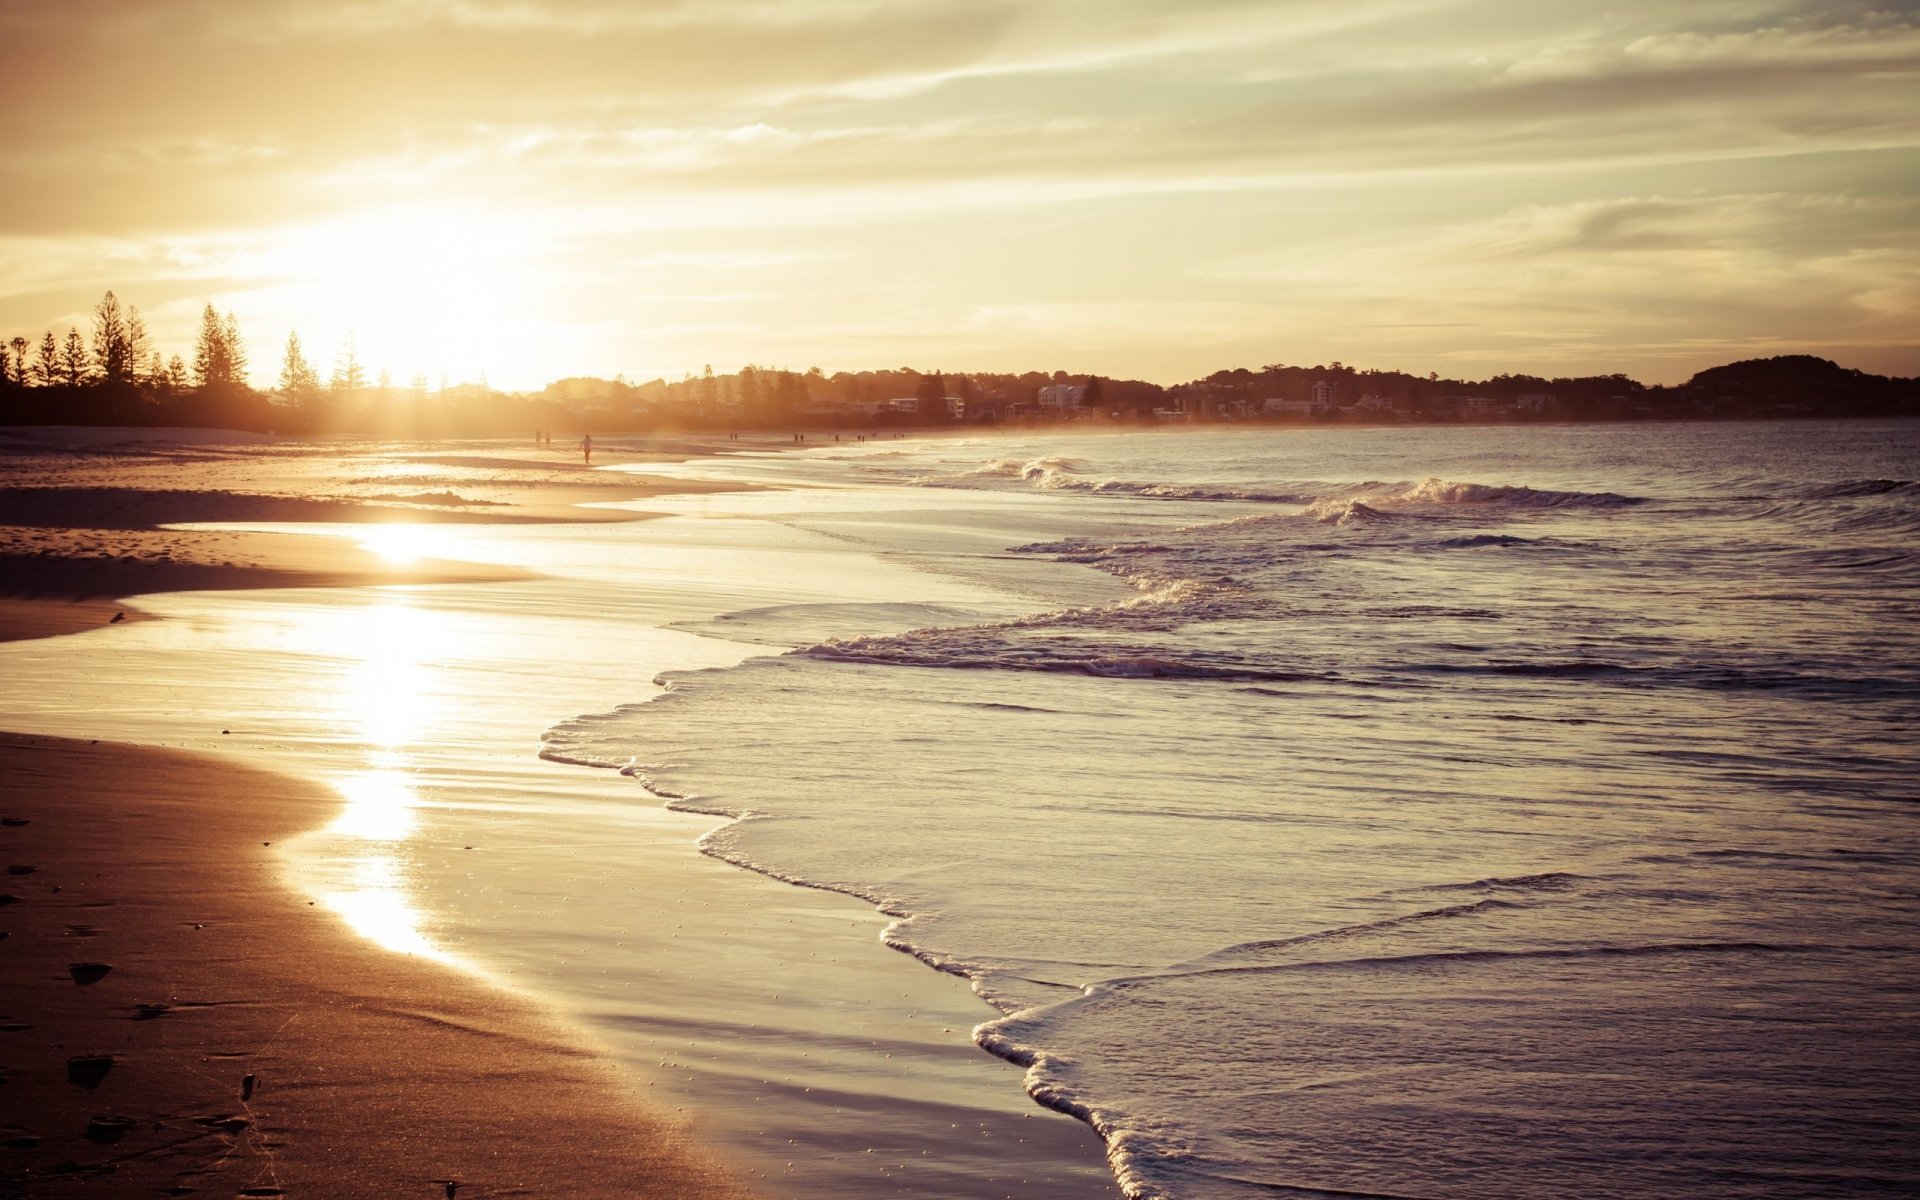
[
  {"x": 402, "y": 544},
  {"x": 430, "y": 292}
]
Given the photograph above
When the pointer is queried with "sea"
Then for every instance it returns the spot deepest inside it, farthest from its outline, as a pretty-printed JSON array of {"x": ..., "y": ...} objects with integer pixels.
[
  {"x": 1442, "y": 813},
  {"x": 1519, "y": 812}
]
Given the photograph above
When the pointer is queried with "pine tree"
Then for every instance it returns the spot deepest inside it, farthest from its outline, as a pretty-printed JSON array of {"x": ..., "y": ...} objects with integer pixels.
[
  {"x": 139, "y": 345},
  {"x": 47, "y": 370},
  {"x": 236, "y": 351},
  {"x": 73, "y": 359},
  {"x": 6, "y": 364},
  {"x": 22, "y": 375},
  {"x": 709, "y": 394},
  {"x": 177, "y": 377},
  {"x": 212, "y": 366},
  {"x": 112, "y": 342},
  {"x": 348, "y": 375},
  {"x": 299, "y": 382},
  {"x": 156, "y": 371}
]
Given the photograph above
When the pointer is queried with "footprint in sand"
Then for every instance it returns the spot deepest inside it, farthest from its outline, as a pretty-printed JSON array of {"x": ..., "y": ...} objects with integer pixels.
[
  {"x": 108, "y": 1130},
  {"x": 88, "y": 1070},
  {"x": 88, "y": 972}
]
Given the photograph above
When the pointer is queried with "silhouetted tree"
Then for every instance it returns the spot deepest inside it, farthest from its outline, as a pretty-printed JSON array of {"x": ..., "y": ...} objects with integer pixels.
[
  {"x": 47, "y": 370},
  {"x": 751, "y": 405},
  {"x": 73, "y": 359},
  {"x": 931, "y": 397},
  {"x": 21, "y": 372},
  {"x": 299, "y": 382},
  {"x": 349, "y": 377},
  {"x": 177, "y": 377},
  {"x": 708, "y": 397},
  {"x": 119, "y": 341},
  {"x": 236, "y": 351},
  {"x": 212, "y": 356}
]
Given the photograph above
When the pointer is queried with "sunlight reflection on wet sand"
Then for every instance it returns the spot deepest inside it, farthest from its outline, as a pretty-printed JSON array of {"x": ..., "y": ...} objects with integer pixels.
[{"x": 363, "y": 868}]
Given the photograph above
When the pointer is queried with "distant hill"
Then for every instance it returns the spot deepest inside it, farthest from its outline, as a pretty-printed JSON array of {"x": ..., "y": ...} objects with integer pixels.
[{"x": 1798, "y": 385}]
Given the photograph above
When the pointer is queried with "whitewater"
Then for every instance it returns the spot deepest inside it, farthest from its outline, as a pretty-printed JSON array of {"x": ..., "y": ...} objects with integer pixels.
[{"x": 1519, "y": 812}]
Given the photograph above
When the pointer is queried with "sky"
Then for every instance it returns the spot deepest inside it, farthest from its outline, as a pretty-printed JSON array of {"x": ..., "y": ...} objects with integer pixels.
[{"x": 524, "y": 190}]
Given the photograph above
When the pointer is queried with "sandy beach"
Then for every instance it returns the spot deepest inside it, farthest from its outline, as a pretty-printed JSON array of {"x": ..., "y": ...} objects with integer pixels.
[
  {"x": 87, "y": 517},
  {"x": 387, "y": 1062},
  {"x": 177, "y": 1021}
]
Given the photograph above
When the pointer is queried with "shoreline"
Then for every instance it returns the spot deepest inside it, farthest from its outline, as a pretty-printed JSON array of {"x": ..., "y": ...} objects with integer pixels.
[
  {"x": 372, "y": 1074},
  {"x": 893, "y": 1122}
]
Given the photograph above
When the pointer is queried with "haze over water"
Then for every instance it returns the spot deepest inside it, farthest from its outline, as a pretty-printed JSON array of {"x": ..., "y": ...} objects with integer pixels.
[{"x": 1452, "y": 812}]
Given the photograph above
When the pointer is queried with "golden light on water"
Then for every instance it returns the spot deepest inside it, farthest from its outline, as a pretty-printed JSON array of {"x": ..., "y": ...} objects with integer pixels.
[
  {"x": 380, "y": 807},
  {"x": 404, "y": 543},
  {"x": 379, "y": 907},
  {"x": 386, "y": 698}
]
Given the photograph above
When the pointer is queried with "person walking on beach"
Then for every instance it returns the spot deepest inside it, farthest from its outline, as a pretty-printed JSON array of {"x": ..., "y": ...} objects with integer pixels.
[{"x": 586, "y": 450}]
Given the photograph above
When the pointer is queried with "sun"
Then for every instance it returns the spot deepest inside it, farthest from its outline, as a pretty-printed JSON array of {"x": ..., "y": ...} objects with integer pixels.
[{"x": 430, "y": 291}]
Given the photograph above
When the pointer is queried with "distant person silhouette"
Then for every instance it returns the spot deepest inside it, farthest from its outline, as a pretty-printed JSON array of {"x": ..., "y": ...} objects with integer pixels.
[{"x": 586, "y": 450}]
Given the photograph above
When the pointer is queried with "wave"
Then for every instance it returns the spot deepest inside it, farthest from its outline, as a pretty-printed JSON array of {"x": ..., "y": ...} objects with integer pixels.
[
  {"x": 1352, "y": 501},
  {"x": 1433, "y": 490},
  {"x": 1863, "y": 487}
]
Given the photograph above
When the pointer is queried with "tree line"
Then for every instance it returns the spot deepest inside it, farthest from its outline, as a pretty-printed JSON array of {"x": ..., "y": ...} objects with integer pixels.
[{"x": 116, "y": 376}]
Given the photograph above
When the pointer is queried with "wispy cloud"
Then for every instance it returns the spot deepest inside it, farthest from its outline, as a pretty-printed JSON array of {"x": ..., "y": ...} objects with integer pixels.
[{"x": 1148, "y": 179}]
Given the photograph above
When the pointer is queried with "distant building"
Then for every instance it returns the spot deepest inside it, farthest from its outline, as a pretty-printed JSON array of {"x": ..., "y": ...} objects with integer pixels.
[
  {"x": 1061, "y": 395},
  {"x": 1325, "y": 391},
  {"x": 1374, "y": 402},
  {"x": 1480, "y": 406},
  {"x": 1534, "y": 402},
  {"x": 1277, "y": 406},
  {"x": 904, "y": 404}
]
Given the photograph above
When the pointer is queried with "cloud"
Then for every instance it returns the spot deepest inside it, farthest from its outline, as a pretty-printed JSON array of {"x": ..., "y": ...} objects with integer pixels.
[{"x": 966, "y": 170}]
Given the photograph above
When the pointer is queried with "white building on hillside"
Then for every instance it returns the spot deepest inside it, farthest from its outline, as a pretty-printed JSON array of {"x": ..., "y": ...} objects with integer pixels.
[{"x": 1294, "y": 408}]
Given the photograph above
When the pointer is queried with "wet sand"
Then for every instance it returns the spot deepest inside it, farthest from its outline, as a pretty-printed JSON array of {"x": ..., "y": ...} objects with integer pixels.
[
  {"x": 84, "y": 525},
  {"x": 782, "y": 1027},
  {"x": 155, "y": 963}
]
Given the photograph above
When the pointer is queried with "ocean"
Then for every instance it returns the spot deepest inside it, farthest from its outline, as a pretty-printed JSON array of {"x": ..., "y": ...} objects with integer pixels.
[
  {"x": 1519, "y": 812},
  {"x": 1512, "y": 812}
]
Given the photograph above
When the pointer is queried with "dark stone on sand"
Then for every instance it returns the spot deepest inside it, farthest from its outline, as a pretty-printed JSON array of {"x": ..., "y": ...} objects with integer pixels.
[
  {"x": 246, "y": 1088},
  {"x": 21, "y": 869},
  {"x": 147, "y": 1012},
  {"x": 22, "y": 1143},
  {"x": 14, "y": 822},
  {"x": 88, "y": 1070},
  {"x": 108, "y": 1130},
  {"x": 8, "y": 899},
  {"x": 88, "y": 972}
]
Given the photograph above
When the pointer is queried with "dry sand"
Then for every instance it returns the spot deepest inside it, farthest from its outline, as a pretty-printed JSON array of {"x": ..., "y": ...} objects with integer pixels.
[{"x": 373, "y": 1074}]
